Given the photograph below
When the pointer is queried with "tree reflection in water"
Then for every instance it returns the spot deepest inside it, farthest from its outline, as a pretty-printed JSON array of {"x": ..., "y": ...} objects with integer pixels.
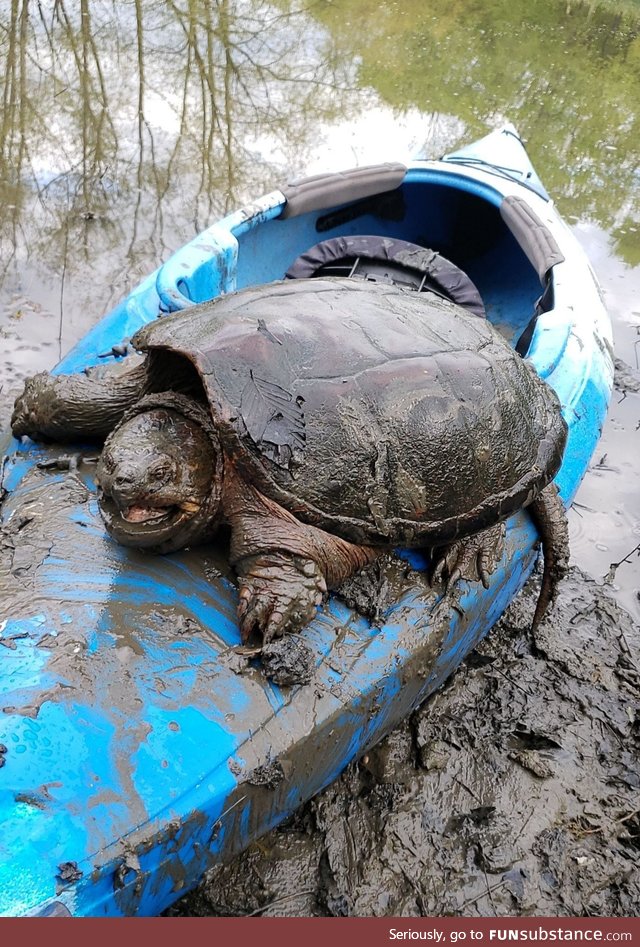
[{"x": 129, "y": 126}]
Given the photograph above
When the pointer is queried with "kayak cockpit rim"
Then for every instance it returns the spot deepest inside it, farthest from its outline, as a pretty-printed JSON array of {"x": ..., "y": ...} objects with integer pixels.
[{"x": 493, "y": 235}]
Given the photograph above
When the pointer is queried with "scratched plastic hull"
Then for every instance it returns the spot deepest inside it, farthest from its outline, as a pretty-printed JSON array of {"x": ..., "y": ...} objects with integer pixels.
[{"x": 136, "y": 755}]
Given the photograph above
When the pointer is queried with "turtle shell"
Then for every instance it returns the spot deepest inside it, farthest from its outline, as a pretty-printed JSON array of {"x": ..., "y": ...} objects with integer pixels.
[{"x": 381, "y": 415}]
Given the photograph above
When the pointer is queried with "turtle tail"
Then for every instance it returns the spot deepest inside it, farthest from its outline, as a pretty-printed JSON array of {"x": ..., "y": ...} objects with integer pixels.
[{"x": 550, "y": 519}]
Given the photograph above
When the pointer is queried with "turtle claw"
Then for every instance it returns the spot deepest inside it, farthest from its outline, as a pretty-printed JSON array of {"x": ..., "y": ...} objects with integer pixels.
[
  {"x": 473, "y": 558},
  {"x": 279, "y": 594}
]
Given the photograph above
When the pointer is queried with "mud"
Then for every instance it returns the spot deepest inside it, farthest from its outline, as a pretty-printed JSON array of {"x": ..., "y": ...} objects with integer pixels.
[
  {"x": 373, "y": 590},
  {"x": 287, "y": 661},
  {"x": 268, "y": 775},
  {"x": 626, "y": 378},
  {"x": 515, "y": 790},
  {"x": 69, "y": 871}
]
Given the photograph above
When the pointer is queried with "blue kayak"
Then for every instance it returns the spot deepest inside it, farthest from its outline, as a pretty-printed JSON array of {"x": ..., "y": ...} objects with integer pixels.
[{"x": 136, "y": 748}]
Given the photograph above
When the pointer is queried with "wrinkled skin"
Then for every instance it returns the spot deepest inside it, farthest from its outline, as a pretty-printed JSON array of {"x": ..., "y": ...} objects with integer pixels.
[
  {"x": 164, "y": 485},
  {"x": 68, "y": 407}
]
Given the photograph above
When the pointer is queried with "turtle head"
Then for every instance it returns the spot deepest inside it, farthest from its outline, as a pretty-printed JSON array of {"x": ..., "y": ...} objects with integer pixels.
[{"x": 159, "y": 475}]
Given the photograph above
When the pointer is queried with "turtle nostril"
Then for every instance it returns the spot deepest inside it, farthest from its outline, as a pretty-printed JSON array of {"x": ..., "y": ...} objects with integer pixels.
[{"x": 122, "y": 480}]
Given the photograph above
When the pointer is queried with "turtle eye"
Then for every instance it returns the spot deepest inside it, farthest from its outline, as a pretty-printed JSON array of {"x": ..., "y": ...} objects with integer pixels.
[
  {"x": 107, "y": 462},
  {"x": 160, "y": 473}
]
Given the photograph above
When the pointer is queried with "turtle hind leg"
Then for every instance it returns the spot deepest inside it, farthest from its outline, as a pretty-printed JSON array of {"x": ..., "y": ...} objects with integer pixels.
[
  {"x": 68, "y": 407},
  {"x": 473, "y": 558},
  {"x": 550, "y": 518}
]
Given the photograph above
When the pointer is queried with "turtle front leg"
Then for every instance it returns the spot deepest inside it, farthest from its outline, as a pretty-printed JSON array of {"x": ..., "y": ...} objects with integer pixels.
[
  {"x": 473, "y": 558},
  {"x": 279, "y": 593},
  {"x": 68, "y": 407},
  {"x": 284, "y": 566}
]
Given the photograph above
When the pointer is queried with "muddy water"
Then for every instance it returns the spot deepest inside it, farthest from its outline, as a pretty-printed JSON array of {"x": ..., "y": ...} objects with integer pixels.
[{"x": 125, "y": 132}]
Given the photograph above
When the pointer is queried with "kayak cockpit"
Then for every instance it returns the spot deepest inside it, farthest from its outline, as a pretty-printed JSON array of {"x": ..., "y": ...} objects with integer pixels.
[{"x": 501, "y": 245}]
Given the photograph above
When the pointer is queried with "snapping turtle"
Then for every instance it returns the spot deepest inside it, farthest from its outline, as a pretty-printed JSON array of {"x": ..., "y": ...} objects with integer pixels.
[{"x": 324, "y": 421}]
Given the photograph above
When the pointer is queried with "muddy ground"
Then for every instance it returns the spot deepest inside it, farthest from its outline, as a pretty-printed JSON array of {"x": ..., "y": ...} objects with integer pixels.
[{"x": 515, "y": 790}]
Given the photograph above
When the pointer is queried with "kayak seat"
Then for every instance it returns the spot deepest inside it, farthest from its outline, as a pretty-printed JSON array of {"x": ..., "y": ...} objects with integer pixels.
[{"x": 385, "y": 259}]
